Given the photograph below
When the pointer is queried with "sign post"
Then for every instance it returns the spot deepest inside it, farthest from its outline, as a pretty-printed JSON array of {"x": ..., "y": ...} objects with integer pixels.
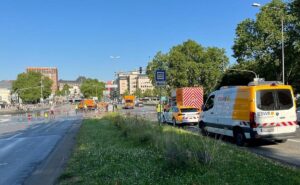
[{"x": 160, "y": 80}]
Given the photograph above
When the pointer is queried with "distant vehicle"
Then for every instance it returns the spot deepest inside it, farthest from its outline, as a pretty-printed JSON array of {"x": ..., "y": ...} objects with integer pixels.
[
  {"x": 298, "y": 115},
  {"x": 188, "y": 97},
  {"x": 181, "y": 115},
  {"x": 256, "y": 111},
  {"x": 90, "y": 104},
  {"x": 129, "y": 102},
  {"x": 139, "y": 104}
]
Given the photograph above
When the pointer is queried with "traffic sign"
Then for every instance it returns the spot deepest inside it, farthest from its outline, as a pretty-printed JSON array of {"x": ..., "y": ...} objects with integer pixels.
[{"x": 160, "y": 77}]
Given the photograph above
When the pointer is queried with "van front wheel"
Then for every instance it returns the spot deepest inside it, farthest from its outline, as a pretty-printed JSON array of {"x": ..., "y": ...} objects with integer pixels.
[
  {"x": 202, "y": 129},
  {"x": 239, "y": 137}
]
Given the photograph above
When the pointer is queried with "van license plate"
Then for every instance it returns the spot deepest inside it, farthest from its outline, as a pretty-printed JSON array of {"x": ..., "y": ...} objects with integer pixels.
[{"x": 267, "y": 130}]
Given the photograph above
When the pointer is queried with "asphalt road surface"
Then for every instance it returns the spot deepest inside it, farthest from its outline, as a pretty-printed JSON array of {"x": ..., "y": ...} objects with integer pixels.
[
  {"x": 25, "y": 144},
  {"x": 288, "y": 153}
]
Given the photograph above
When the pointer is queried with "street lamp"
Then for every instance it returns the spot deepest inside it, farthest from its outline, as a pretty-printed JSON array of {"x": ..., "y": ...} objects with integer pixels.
[{"x": 256, "y": 5}]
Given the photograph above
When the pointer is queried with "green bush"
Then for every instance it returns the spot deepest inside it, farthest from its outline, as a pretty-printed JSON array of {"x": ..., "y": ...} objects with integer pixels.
[
  {"x": 120, "y": 150},
  {"x": 180, "y": 148}
]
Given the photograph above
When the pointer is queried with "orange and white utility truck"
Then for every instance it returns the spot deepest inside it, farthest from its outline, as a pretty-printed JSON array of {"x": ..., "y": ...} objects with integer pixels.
[
  {"x": 188, "y": 97},
  {"x": 185, "y": 107},
  {"x": 129, "y": 102},
  {"x": 89, "y": 104}
]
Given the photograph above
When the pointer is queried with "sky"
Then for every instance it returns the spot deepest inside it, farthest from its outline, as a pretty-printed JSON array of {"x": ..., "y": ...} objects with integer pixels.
[{"x": 80, "y": 36}]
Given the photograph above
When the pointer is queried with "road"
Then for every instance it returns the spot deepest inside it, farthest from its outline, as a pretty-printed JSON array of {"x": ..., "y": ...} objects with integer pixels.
[
  {"x": 26, "y": 144},
  {"x": 288, "y": 152}
]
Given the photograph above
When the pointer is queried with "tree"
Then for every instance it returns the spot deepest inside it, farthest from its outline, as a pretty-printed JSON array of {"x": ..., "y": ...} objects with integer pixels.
[
  {"x": 126, "y": 93},
  {"x": 64, "y": 91},
  {"x": 148, "y": 93},
  {"x": 138, "y": 93},
  {"x": 259, "y": 41},
  {"x": 190, "y": 64},
  {"x": 295, "y": 10},
  {"x": 28, "y": 86},
  {"x": 92, "y": 88}
]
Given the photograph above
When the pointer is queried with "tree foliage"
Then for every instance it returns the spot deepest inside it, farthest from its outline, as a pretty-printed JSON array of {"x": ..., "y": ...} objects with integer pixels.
[
  {"x": 65, "y": 90},
  {"x": 138, "y": 93},
  {"x": 190, "y": 64},
  {"x": 259, "y": 41},
  {"x": 28, "y": 86},
  {"x": 92, "y": 88},
  {"x": 126, "y": 93},
  {"x": 148, "y": 93}
]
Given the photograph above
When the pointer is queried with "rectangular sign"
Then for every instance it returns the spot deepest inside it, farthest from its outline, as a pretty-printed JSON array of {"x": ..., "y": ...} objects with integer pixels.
[
  {"x": 111, "y": 86},
  {"x": 160, "y": 84},
  {"x": 160, "y": 75}
]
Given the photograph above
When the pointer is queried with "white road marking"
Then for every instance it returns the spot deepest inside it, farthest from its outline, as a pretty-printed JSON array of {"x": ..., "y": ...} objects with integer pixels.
[
  {"x": 293, "y": 140},
  {"x": 14, "y": 136},
  {"x": 35, "y": 126},
  {"x": 4, "y": 120}
]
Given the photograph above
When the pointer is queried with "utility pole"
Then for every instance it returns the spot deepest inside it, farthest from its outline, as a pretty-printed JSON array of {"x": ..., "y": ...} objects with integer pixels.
[{"x": 282, "y": 49}]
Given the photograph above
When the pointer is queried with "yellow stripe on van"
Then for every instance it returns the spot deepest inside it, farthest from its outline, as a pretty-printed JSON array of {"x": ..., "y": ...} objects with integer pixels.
[{"x": 242, "y": 105}]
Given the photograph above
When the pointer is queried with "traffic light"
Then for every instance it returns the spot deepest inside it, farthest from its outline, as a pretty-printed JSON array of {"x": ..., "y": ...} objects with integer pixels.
[{"x": 141, "y": 70}]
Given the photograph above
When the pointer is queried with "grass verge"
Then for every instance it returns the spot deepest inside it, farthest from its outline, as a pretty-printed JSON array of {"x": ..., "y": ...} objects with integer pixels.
[{"x": 119, "y": 150}]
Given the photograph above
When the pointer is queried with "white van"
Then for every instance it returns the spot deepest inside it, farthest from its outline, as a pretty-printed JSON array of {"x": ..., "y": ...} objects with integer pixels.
[{"x": 251, "y": 112}]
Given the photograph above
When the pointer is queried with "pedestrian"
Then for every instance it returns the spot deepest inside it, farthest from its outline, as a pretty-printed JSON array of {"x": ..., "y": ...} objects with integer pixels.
[
  {"x": 76, "y": 108},
  {"x": 85, "y": 108},
  {"x": 52, "y": 111},
  {"x": 159, "y": 110}
]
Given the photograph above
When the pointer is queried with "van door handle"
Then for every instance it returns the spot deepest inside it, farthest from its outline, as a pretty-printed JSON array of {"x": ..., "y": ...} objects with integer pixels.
[{"x": 212, "y": 113}]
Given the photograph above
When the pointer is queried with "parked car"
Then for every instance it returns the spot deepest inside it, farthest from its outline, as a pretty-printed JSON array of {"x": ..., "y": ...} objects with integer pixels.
[
  {"x": 139, "y": 104},
  {"x": 178, "y": 115}
]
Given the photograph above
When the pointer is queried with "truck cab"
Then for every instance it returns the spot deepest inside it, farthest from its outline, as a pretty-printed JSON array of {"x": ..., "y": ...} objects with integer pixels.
[{"x": 129, "y": 102}]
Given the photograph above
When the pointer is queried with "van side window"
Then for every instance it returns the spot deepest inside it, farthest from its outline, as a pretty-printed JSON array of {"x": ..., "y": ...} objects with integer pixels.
[{"x": 209, "y": 103}]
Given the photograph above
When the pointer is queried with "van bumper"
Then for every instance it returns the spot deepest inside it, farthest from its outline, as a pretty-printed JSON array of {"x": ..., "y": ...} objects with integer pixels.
[{"x": 255, "y": 135}]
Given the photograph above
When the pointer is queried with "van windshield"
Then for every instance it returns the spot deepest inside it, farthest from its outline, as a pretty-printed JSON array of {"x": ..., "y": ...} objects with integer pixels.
[{"x": 279, "y": 99}]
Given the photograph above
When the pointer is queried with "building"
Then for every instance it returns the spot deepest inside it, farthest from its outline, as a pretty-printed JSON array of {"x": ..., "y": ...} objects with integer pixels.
[
  {"x": 5, "y": 91},
  {"x": 71, "y": 83},
  {"x": 144, "y": 83},
  {"x": 50, "y": 72},
  {"x": 131, "y": 81},
  {"x": 74, "y": 90}
]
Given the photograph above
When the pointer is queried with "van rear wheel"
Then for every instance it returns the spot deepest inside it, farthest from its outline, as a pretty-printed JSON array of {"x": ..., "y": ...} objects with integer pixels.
[{"x": 239, "y": 137}]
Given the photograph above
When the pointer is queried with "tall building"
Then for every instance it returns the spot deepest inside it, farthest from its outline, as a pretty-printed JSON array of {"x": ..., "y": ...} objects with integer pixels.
[
  {"x": 130, "y": 81},
  {"x": 50, "y": 72}
]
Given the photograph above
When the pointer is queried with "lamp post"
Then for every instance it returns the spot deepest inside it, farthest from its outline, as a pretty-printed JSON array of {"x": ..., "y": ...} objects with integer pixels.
[{"x": 257, "y": 5}]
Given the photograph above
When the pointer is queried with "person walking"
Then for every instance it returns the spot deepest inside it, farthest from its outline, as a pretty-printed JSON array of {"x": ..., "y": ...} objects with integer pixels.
[
  {"x": 76, "y": 108},
  {"x": 159, "y": 110}
]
